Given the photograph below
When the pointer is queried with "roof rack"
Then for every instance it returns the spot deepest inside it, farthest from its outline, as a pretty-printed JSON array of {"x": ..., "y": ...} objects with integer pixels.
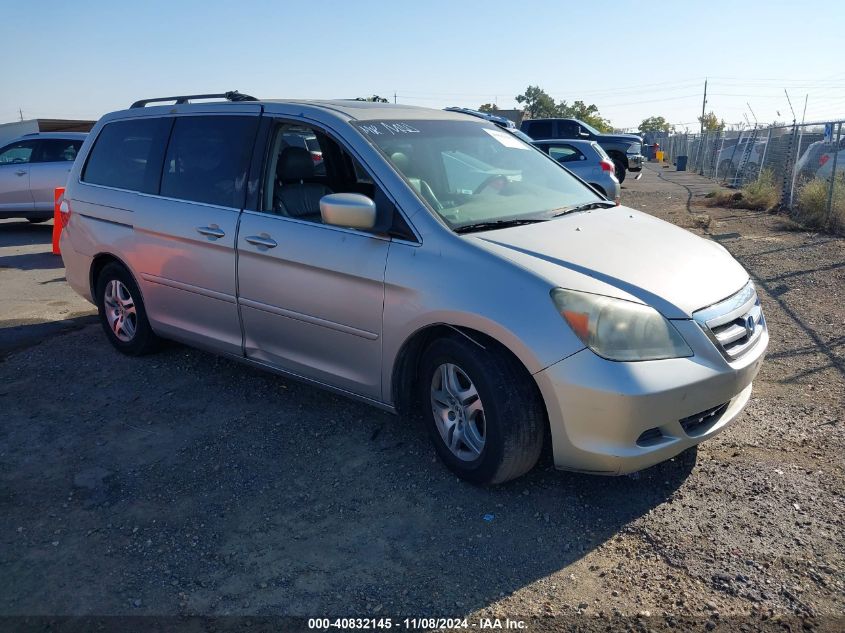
[{"x": 233, "y": 95}]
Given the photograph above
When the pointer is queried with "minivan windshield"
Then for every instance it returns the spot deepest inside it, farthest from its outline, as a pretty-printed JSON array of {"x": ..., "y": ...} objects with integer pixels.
[{"x": 472, "y": 173}]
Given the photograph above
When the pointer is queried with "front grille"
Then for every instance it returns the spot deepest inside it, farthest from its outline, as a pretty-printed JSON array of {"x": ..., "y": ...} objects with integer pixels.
[
  {"x": 735, "y": 324},
  {"x": 700, "y": 423}
]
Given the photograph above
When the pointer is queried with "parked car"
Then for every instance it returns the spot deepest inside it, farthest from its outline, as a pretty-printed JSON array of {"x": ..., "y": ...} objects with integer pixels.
[
  {"x": 588, "y": 161},
  {"x": 817, "y": 160},
  {"x": 522, "y": 305},
  {"x": 502, "y": 122},
  {"x": 624, "y": 149},
  {"x": 31, "y": 167},
  {"x": 730, "y": 156}
]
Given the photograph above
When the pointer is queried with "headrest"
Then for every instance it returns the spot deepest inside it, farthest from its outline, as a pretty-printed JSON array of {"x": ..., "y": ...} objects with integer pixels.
[
  {"x": 401, "y": 161},
  {"x": 295, "y": 164}
]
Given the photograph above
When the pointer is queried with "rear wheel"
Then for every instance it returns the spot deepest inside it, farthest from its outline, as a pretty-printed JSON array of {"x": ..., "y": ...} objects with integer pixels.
[
  {"x": 600, "y": 190},
  {"x": 619, "y": 166},
  {"x": 484, "y": 413},
  {"x": 122, "y": 313}
]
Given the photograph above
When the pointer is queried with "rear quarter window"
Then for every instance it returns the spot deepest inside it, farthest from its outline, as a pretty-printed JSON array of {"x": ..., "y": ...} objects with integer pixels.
[{"x": 128, "y": 155}]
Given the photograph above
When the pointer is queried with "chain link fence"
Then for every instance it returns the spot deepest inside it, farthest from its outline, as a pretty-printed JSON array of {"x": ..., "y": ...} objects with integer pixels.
[{"x": 804, "y": 163}]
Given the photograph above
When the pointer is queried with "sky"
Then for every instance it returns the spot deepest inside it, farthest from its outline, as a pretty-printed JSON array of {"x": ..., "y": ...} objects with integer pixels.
[{"x": 632, "y": 59}]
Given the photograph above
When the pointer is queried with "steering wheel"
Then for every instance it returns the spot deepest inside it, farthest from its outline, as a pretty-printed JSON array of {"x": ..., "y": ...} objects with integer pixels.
[{"x": 498, "y": 182}]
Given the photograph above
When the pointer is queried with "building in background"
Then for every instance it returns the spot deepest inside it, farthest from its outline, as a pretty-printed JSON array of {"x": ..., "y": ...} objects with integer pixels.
[{"x": 9, "y": 131}]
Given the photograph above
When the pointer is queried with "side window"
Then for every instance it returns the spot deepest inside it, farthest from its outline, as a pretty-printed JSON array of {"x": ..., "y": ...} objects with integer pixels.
[
  {"x": 568, "y": 129},
  {"x": 296, "y": 176},
  {"x": 304, "y": 164},
  {"x": 57, "y": 150},
  {"x": 17, "y": 153},
  {"x": 128, "y": 154},
  {"x": 565, "y": 154},
  {"x": 541, "y": 128},
  {"x": 207, "y": 159}
]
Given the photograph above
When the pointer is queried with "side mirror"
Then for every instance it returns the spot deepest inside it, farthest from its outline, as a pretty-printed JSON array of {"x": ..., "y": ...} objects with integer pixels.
[{"x": 352, "y": 210}]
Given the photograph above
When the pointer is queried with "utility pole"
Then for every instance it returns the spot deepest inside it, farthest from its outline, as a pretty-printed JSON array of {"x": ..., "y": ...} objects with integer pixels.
[
  {"x": 21, "y": 113},
  {"x": 703, "y": 105},
  {"x": 394, "y": 96},
  {"x": 803, "y": 116}
]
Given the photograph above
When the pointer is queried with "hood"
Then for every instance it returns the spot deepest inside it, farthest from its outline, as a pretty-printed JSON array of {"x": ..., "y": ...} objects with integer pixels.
[
  {"x": 621, "y": 138},
  {"x": 622, "y": 253}
]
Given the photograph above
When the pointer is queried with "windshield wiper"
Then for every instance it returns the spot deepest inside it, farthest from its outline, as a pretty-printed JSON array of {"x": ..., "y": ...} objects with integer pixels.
[
  {"x": 496, "y": 224},
  {"x": 601, "y": 204}
]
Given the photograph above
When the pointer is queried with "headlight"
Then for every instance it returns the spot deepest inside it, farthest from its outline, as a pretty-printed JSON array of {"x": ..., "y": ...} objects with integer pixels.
[{"x": 619, "y": 330}]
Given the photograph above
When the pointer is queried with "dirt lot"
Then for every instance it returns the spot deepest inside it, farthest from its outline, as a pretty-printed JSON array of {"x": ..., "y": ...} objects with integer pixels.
[{"x": 181, "y": 483}]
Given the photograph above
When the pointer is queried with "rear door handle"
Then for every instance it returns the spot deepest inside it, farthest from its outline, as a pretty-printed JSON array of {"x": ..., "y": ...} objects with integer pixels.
[
  {"x": 262, "y": 240},
  {"x": 21, "y": 172},
  {"x": 212, "y": 231}
]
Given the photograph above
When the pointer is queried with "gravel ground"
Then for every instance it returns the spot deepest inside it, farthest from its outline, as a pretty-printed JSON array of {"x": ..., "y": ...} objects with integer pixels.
[{"x": 181, "y": 483}]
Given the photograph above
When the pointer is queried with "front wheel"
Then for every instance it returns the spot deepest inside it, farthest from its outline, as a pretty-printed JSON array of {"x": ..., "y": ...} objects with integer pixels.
[
  {"x": 619, "y": 167},
  {"x": 484, "y": 413}
]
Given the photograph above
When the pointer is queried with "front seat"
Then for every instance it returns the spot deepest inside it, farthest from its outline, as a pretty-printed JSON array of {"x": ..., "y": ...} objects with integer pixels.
[{"x": 295, "y": 196}]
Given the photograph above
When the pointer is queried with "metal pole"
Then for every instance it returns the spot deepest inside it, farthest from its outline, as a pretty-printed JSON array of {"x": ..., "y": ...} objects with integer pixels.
[
  {"x": 795, "y": 167},
  {"x": 703, "y": 105},
  {"x": 833, "y": 173},
  {"x": 763, "y": 157}
]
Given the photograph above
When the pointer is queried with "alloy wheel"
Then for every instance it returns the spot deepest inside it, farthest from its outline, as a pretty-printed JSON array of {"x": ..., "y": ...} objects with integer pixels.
[
  {"x": 120, "y": 310},
  {"x": 458, "y": 412}
]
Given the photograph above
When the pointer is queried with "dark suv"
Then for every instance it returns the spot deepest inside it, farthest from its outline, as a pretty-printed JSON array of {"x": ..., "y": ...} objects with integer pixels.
[{"x": 625, "y": 150}]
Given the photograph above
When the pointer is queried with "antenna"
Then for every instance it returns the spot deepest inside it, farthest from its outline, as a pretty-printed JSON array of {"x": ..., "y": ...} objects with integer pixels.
[{"x": 794, "y": 118}]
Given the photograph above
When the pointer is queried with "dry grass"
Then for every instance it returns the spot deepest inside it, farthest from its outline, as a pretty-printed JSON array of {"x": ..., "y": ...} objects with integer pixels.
[
  {"x": 761, "y": 195},
  {"x": 812, "y": 204}
]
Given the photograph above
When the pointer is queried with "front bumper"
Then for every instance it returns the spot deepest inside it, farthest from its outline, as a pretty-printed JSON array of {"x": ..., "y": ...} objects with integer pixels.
[
  {"x": 615, "y": 417},
  {"x": 635, "y": 162}
]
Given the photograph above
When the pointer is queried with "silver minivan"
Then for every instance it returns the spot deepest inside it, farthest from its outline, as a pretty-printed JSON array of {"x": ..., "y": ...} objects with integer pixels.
[{"x": 434, "y": 263}]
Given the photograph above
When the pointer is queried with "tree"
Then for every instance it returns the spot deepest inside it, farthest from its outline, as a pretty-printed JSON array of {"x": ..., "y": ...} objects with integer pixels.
[
  {"x": 710, "y": 123},
  {"x": 488, "y": 107},
  {"x": 589, "y": 114},
  {"x": 656, "y": 124},
  {"x": 538, "y": 103},
  {"x": 374, "y": 98}
]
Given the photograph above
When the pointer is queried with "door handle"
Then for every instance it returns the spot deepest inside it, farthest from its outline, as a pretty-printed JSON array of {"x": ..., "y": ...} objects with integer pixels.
[
  {"x": 262, "y": 240},
  {"x": 212, "y": 231},
  {"x": 21, "y": 172}
]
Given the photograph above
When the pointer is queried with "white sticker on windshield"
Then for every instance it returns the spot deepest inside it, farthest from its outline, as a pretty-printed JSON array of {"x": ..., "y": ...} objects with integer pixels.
[{"x": 506, "y": 138}]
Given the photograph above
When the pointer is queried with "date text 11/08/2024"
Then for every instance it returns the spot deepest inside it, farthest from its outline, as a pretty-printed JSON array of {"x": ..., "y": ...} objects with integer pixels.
[{"x": 326, "y": 624}]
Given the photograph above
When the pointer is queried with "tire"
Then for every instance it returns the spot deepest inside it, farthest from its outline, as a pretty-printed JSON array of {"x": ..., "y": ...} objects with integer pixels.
[
  {"x": 117, "y": 292},
  {"x": 619, "y": 166},
  {"x": 39, "y": 220},
  {"x": 599, "y": 189},
  {"x": 511, "y": 421}
]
